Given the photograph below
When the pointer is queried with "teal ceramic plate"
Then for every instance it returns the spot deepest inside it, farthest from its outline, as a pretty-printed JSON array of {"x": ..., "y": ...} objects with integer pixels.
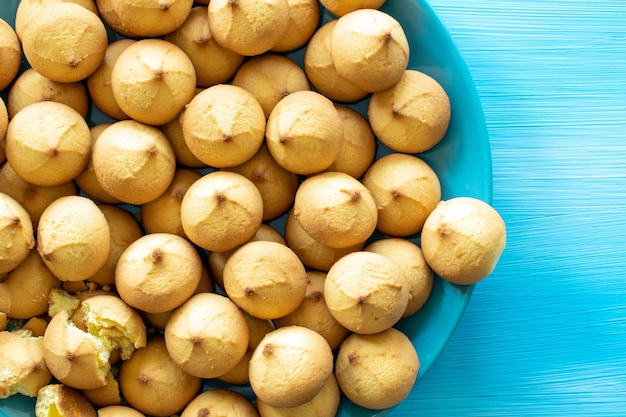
[{"x": 462, "y": 160}]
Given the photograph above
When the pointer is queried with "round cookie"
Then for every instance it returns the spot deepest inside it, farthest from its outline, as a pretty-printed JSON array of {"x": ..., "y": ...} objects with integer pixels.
[
  {"x": 73, "y": 238},
  {"x": 463, "y": 239},
  {"x": 152, "y": 81},
  {"x": 65, "y": 43},
  {"x": 248, "y": 27},
  {"x": 290, "y": 366},
  {"x": 377, "y": 371},
  {"x": 48, "y": 143},
  {"x": 133, "y": 162},
  {"x": 221, "y": 211},
  {"x": 158, "y": 272},
  {"x": 413, "y": 115},
  {"x": 335, "y": 209},
  {"x": 153, "y": 384},
  {"x": 265, "y": 279},
  {"x": 366, "y": 292},
  {"x": 369, "y": 48},
  {"x": 207, "y": 335},
  {"x": 224, "y": 126},
  {"x": 304, "y": 132},
  {"x": 406, "y": 190}
]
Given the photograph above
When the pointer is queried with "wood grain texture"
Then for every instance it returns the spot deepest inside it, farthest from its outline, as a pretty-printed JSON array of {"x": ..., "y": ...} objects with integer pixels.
[{"x": 545, "y": 334}]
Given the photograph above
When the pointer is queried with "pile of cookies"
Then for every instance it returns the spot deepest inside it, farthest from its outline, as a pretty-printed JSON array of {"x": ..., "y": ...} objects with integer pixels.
[{"x": 141, "y": 257}]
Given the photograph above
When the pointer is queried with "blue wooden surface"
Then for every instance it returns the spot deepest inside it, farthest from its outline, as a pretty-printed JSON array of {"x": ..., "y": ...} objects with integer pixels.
[{"x": 545, "y": 334}]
